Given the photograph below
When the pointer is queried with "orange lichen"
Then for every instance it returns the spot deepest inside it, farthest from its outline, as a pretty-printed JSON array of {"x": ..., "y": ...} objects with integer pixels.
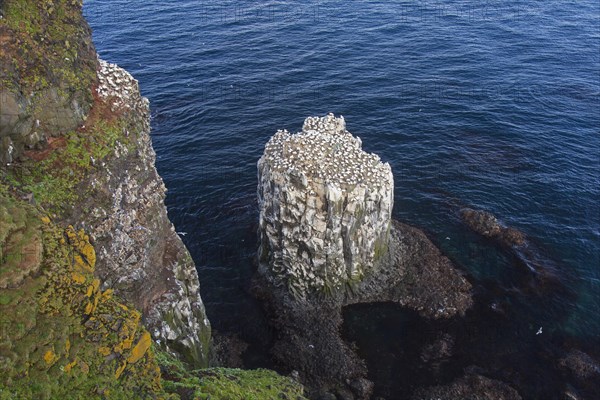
[
  {"x": 140, "y": 348},
  {"x": 120, "y": 370},
  {"x": 85, "y": 257},
  {"x": 92, "y": 305},
  {"x": 104, "y": 350},
  {"x": 67, "y": 368}
]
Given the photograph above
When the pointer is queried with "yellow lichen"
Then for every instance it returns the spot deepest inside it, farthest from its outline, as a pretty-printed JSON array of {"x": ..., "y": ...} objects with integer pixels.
[
  {"x": 68, "y": 345},
  {"x": 107, "y": 294},
  {"x": 50, "y": 357},
  {"x": 104, "y": 350},
  {"x": 67, "y": 368},
  {"x": 89, "y": 253},
  {"x": 46, "y": 220},
  {"x": 120, "y": 369},
  {"x": 77, "y": 277},
  {"x": 140, "y": 348},
  {"x": 86, "y": 255}
]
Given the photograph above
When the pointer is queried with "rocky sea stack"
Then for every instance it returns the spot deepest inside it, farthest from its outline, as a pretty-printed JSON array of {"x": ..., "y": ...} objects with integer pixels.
[
  {"x": 325, "y": 207},
  {"x": 328, "y": 240}
]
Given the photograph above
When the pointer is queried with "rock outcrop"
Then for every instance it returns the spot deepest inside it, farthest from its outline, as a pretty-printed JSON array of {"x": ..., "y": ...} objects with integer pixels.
[
  {"x": 471, "y": 386},
  {"x": 486, "y": 224},
  {"x": 325, "y": 207},
  {"x": 543, "y": 274},
  {"x": 328, "y": 241}
]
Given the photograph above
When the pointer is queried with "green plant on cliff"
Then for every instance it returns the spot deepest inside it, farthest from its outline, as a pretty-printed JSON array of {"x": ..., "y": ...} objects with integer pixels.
[
  {"x": 225, "y": 383},
  {"x": 62, "y": 337},
  {"x": 54, "y": 175},
  {"x": 50, "y": 46}
]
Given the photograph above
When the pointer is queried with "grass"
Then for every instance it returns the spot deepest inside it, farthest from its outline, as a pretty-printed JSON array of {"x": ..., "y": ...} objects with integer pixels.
[{"x": 225, "y": 383}]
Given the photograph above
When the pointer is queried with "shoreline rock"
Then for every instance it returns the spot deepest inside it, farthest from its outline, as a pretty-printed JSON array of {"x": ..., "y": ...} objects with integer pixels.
[
  {"x": 487, "y": 225},
  {"x": 541, "y": 271},
  {"x": 471, "y": 386}
]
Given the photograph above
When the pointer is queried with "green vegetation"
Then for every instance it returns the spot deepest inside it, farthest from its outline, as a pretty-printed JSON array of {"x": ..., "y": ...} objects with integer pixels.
[
  {"x": 62, "y": 337},
  {"x": 52, "y": 46},
  {"x": 225, "y": 383},
  {"x": 53, "y": 175}
]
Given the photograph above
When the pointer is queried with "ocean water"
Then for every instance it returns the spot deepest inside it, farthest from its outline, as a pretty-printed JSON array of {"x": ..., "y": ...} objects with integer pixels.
[{"x": 487, "y": 104}]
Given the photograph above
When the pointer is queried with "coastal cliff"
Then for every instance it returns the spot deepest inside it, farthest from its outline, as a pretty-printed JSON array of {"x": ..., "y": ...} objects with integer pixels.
[
  {"x": 87, "y": 157},
  {"x": 99, "y": 298}
]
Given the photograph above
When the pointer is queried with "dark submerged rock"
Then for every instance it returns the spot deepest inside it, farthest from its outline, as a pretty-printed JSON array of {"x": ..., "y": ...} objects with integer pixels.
[
  {"x": 486, "y": 224},
  {"x": 470, "y": 387}
]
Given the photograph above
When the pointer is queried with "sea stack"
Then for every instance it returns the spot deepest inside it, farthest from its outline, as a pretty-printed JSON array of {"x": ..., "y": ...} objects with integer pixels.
[{"x": 325, "y": 208}]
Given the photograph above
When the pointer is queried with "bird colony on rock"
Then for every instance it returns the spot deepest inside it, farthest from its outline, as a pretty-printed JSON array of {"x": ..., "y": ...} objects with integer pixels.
[{"x": 325, "y": 208}]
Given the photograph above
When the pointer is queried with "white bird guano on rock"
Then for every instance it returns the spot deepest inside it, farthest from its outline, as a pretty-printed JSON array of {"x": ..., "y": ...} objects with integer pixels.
[{"x": 325, "y": 208}]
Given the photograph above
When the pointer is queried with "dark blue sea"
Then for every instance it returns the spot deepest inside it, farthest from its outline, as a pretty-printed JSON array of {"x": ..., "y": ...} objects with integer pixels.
[{"x": 492, "y": 105}]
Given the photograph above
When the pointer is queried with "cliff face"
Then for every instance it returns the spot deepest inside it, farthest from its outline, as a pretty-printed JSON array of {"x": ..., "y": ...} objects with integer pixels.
[
  {"x": 61, "y": 335},
  {"x": 76, "y": 131},
  {"x": 75, "y": 150},
  {"x": 139, "y": 254}
]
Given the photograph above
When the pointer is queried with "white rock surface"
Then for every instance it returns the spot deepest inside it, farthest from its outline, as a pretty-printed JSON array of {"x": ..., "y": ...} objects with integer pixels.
[{"x": 325, "y": 207}]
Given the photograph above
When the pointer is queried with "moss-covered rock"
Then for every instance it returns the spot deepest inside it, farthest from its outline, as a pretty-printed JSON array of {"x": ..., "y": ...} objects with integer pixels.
[
  {"x": 47, "y": 71},
  {"x": 58, "y": 175},
  {"x": 100, "y": 175},
  {"x": 60, "y": 335}
]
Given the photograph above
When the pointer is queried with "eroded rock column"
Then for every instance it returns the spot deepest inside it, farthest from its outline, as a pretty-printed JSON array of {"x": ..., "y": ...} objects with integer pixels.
[{"x": 325, "y": 207}]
